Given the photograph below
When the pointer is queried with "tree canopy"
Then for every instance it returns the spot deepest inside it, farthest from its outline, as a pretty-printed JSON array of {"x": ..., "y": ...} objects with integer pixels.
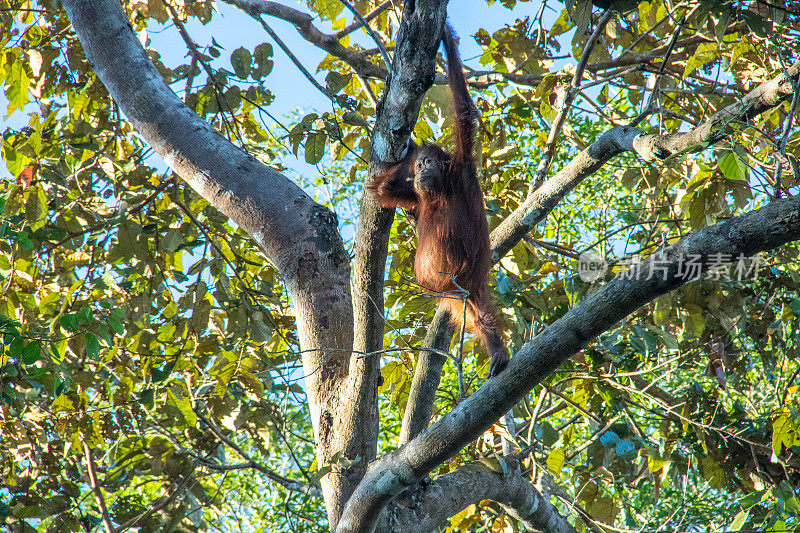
[{"x": 208, "y": 324}]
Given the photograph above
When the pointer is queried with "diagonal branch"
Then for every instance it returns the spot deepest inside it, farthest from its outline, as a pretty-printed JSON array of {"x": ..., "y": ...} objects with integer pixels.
[
  {"x": 764, "y": 229},
  {"x": 293, "y": 58},
  {"x": 370, "y": 32},
  {"x": 541, "y": 201},
  {"x": 91, "y": 479},
  {"x": 626, "y": 139},
  {"x": 288, "y": 484},
  {"x": 303, "y": 22}
]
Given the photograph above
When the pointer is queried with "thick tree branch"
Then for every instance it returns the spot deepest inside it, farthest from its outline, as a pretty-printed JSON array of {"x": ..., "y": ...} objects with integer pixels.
[
  {"x": 357, "y": 407},
  {"x": 764, "y": 229},
  {"x": 764, "y": 97},
  {"x": 298, "y": 235},
  {"x": 427, "y": 375},
  {"x": 426, "y": 506}
]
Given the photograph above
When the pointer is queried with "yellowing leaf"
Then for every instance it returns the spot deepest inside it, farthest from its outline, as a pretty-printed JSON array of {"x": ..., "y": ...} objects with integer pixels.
[
  {"x": 555, "y": 460},
  {"x": 655, "y": 462},
  {"x": 548, "y": 268},
  {"x": 329, "y": 9},
  {"x": 604, "y": 510},
  {"x": 462, "y": 520},
  {"x": 784, "y": 429},
  {"x": 705, "y": 53},
  {"x": 739, "y": 520},
  {"x": 502, "y": 525}
]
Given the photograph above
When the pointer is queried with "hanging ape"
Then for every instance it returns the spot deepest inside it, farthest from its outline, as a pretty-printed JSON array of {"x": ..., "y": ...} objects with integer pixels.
[{"x": 443, "y": 192}]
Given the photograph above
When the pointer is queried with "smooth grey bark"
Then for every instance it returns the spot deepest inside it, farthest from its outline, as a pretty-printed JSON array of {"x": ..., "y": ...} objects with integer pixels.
[
  {"x": 764, "y": 229},
  {"x": 411, "y": 75},
  {"x": 298, "y": 235},
  {"x": 427, "y": 375}
]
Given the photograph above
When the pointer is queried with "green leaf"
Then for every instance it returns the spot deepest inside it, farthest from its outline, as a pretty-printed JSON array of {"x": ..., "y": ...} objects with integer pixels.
[
  {"x": 262, "y": 57},
  {"x": 732, "y": 168},
  {"x": 159, "y": 375},
  {"x": 116, "y": 323},
  {"x": 241, "y": 59},
  {"x": 721, "y": 24},
  {"x": 546, "y": 433},
  {"x": 315, "y": 147},
  {"x": 336, "y": 82},
  {"x": 17, "y": 82},
  {"x": 222, "y": 370},
  {"x": 172, "y": 240},
  {"x": 69, "y": 322},
  {"x": 354, "y": 119},
  {"x": 178, "y": 399},
  {"x": 92, "y": 346},
  {"x": 36, "y": 207},
  {"x": 749, "y": 500},
  {"x": 32, "y": 352}
]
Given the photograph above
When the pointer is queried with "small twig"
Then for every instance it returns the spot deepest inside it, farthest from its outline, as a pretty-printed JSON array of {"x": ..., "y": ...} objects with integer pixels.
[
  {"x": 190, "y": 79},
  {"x": 535, "y": 415},
  {"x": 363, "y": 20},
  {"x": 133, "y": 210},
  {"x": 540, "y": 33},
  {"x": 461, "y": 390},
  {"x": 651, "y": 102},
  {"x": 292, "y": 57},
  {"x": 508, "y": 444},
  {"x": 166, "y": 501},
  {"x": 557, "y": 248},
  {"x": 91, "y": 479},
  {"x": 192, "y": 46},
  {"x": 285, "y": 482},
  {"x": 368, "y": 90},
  {"x": 787, "y": 125},
  {"x": 592, "y": 439},
  {"x": 370, "y": 32},
  {"x": 566, "y": 103}
]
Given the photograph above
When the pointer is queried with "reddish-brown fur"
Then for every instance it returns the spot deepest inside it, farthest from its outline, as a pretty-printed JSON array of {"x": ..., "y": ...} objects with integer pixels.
[{"x": 443, "y": 192}]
